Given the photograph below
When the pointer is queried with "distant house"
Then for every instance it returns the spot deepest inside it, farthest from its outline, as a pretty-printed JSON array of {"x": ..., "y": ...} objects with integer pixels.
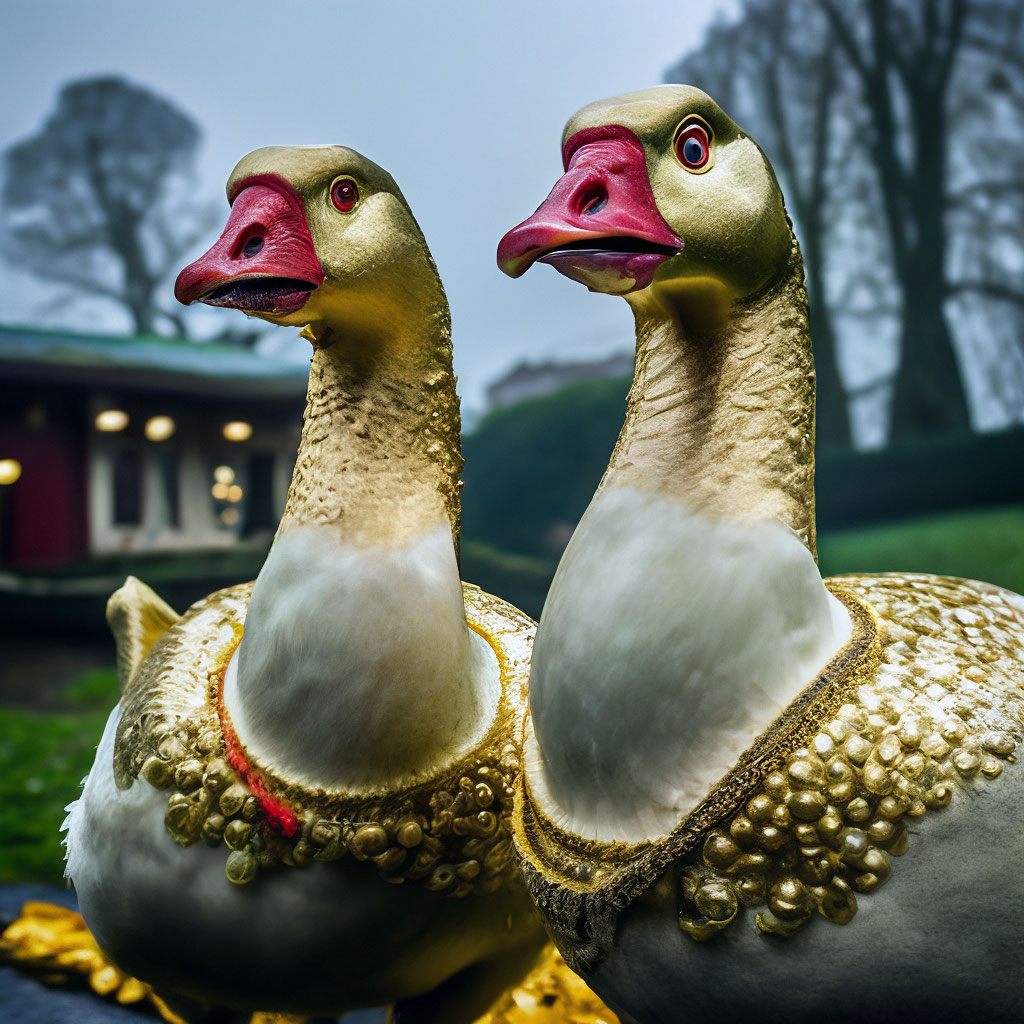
[
  {"x": 529, "y": 380},
  {"x": 136, "y": 444}
]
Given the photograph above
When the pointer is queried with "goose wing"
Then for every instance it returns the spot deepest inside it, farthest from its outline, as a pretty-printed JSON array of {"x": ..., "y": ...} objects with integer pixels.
[{"x": 137, "y": 617}]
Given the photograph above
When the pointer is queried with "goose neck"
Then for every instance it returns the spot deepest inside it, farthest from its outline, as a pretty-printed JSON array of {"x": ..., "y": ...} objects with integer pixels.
[
  {"x": 380, "y": 455},
  {"x": 721, "y": 414}
]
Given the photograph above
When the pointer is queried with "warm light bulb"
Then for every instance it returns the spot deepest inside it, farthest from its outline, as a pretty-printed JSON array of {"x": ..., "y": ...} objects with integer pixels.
[
  {"x": 111, "y": 420},
  {"x": 220, "y": 492},
  {"x": 238, "y": 430},
  {"x": 234, "y": 493},
  {"x": 229, "y": 517},
  {"x": 224, "y": 475},
  {"x": 159, "y": 428},
  {"x": 10, "y": 470}
]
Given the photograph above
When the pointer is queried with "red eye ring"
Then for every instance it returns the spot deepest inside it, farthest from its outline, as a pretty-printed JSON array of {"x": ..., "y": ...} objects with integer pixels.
[
  {"x": 693, "y": 146},
  {"x": 345, "y": 194}
]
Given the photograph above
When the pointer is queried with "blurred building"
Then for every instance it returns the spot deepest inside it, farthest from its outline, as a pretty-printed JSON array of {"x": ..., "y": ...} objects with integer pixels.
[
  {"x": 112, "y": 445},
  {"x": 529, "y": 380}
]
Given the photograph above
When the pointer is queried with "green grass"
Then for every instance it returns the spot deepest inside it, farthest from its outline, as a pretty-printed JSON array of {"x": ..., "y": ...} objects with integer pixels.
[
  {"x": 43, "y": 759},
  {"x": 93, "y": 690},
  {"x": 980, "y": 544}
]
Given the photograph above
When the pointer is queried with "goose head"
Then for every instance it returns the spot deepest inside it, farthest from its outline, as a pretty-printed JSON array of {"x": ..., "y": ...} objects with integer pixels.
[
  {"x": 322, "y": 238},
  {"x": 664, "y": 196},
  {"x": 307, "y": 223}
]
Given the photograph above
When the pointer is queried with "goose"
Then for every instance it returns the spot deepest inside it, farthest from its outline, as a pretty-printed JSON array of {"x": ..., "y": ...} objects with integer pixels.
[
  {"x": 726, "y": 754},
  {"x": 301, "y": 801}
]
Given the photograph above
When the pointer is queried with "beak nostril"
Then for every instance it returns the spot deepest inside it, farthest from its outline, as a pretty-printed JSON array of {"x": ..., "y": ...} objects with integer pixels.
[
  {"x": 594, "y": 205},
  {"x": 252, "y": 246}
]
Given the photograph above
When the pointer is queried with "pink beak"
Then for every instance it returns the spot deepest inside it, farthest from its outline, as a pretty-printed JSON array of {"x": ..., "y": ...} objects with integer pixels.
[
  {"x": 601, "y": 216},
  {"x": 264, "y": 261}
]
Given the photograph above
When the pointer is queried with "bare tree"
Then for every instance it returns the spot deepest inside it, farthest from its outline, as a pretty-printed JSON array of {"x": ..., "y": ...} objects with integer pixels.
[
  {"x": 904, "y": 59},
  {"x": 986, "y": 203},
  {"x": 101, "y": 198},
  {"x": 897, "y": 130}
]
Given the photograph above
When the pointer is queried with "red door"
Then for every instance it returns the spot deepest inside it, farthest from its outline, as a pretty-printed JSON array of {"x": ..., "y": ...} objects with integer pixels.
[{"x": 44, "y": 511}]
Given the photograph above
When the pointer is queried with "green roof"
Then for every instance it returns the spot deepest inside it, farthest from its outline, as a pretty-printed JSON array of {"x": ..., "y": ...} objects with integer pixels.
[{"x": 147, "y": 363}]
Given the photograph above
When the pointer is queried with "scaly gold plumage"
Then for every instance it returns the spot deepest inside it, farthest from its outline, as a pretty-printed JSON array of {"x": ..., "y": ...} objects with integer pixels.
[
  {"x": 448, "y": 832},
  {"x": 924, "y": 701}
]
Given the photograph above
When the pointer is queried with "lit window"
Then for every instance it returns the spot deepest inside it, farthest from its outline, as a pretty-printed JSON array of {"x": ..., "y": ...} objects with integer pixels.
[
  {"x": 10, "y": 470},
  {"x": 226, "y": 496},
  {"x": 238, "y": 430},
  {"x": 111, "y": 420},
  {"x": 159, "y": 428}
]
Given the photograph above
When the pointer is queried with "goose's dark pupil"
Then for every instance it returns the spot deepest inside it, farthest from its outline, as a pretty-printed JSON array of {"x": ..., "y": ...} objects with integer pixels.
[
  {"x": 253, "y": 246},
  {"x": 693, "y": 151}
]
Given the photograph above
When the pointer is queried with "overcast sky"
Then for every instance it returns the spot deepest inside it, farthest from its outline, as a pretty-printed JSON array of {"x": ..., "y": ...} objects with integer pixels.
[{"x": 462, "y": 102}]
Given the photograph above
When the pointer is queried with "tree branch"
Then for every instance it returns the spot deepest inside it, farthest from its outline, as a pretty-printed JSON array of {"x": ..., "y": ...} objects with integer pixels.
[
  {"x": 846, "y": 40},
  {"x": 991, "y": 185},
  {"x": 995, "y": 290},
  {"x": 70, "y": 278},
  {"x": 1006, "y": 54},
  {"x": 954, "y": 37}
]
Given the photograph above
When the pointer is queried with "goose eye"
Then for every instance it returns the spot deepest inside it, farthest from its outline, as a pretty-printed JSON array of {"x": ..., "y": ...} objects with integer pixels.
[
  {"x": 693, "y": 147},
  {"x": 344, "y": 194}
]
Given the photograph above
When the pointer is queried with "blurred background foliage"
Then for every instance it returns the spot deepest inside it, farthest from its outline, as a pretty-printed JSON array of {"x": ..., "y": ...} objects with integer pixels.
[{"x": 896, "y": 128}]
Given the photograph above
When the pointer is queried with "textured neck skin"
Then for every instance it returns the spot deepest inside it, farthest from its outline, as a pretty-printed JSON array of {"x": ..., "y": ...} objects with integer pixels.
[
  {"x": 687, "y": 610},
  {"x": 380, "y": 450},
  {"x": 721, "y": 414},
  {"x": 357, "y": 670}
]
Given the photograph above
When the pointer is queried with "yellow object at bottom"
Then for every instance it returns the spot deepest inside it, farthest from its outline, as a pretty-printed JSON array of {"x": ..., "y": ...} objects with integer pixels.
[
  {"x": 549, "y": 994},
  {"x": 55, "y": 945}
]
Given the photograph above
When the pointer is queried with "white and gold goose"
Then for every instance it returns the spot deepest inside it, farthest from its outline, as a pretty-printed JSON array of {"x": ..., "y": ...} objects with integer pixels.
[
  {"x": 725, "y": 753},
  {"x": 338, "y": 738}
]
